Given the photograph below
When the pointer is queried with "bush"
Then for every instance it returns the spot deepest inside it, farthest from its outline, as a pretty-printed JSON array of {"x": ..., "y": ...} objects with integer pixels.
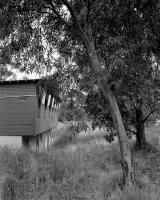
[{"x": 74, "y": 128}]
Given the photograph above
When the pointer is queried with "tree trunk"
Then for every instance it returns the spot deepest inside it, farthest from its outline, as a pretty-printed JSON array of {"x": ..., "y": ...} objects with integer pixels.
[
  {"x": 127, "y": 160},
  {"x": 140, "y": 129},
  {"x": 127, "y": 164},
  {"x": 140, "y": 136}
]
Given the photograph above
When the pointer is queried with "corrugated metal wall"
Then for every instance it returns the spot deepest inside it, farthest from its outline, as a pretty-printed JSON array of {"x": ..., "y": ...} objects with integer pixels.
[
  {"x": 17, "y": 110},
  {"x": 20, "y": 114},
  {"x": 17, "y": 89}
]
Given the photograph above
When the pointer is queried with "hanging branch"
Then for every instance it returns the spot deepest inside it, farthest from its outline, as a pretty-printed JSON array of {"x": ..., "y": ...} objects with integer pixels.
[
  {"x": 131, "y": 131},
  {"x": 152, "y": 111}
]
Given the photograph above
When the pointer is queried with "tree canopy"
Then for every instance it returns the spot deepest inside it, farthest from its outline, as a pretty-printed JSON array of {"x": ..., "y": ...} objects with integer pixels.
[
  {"x": 5, "y": 73},
  {"x": 119, "y": 28}
]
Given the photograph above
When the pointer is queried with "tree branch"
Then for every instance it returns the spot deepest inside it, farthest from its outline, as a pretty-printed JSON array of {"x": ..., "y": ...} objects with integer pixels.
[
  {"x": 131, "y": 131},
  {"x": 57, "y": 13},
  {"x": 79, "y": 28},
  {"x": 100, "y": 7},
  {"x": 148, "y": 115},
  {"x": 88, "y": 10}
]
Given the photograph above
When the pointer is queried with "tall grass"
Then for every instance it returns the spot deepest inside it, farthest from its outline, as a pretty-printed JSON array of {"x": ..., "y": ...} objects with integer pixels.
[
  {"x": 136, "y": 193},
  {"x": 89, "y": 171}
]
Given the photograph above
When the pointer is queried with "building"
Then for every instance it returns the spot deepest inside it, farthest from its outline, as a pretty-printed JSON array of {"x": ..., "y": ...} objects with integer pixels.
[{"x": 27, "y": 112}]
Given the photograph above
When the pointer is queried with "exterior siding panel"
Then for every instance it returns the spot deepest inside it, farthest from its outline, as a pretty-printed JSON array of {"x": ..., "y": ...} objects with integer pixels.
[
  {"x": 16, "y": 129},
  {"x": 42, "y": 125},
  {"x": 17, "y": 109},
  {"x": 46, "y": 119},
  {"x": 17, "y": 90}
]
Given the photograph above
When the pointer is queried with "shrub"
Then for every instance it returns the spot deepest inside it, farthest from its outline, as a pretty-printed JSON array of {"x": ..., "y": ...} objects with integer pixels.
[{"x": 74, "y": 128}]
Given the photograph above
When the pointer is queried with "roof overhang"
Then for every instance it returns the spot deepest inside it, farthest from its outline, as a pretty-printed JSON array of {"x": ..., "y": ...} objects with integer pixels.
[{"x": 10, "y": 82}]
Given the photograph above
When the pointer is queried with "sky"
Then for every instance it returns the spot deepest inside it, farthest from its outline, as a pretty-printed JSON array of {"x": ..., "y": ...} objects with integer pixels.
[
  {"x": 17, "y": 75},
  {"x": 20, "y": 75}
]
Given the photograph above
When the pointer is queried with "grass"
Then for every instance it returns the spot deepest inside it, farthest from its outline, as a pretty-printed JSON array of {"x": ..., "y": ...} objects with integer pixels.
[{"x": 87, "y": 168}]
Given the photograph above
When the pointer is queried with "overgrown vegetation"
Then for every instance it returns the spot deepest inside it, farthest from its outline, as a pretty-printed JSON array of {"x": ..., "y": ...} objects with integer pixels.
[
  {"x": 74, "y": 128},
  {"x": 113, "y": 45},
  {"x": 89, "y": 168}
]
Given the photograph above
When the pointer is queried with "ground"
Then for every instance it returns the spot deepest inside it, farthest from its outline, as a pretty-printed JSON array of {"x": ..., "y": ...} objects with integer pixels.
[{"x": 83, "y": 168}]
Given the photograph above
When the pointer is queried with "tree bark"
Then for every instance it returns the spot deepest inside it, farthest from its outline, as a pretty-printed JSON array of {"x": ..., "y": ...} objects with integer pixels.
[
  {"x": 140, "y": 136},
  {"x": 140, "y": 129},
  {"x": 127, "y": 161}
]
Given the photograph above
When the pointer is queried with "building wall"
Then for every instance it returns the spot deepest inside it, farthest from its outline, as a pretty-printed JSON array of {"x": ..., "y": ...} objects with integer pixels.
[
  {"x": 46, "y": 118},
  {"x": 17, "y": 89},
  {"x": 17, "y": 109},
  {"x": 20, "y": 115},
  {"x": 39, "y": 142}
]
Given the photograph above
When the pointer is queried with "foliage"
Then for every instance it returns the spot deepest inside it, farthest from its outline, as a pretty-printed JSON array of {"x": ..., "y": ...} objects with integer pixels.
[
  {"x": 137, "y": 85},
  {"x": 51, "y": 86},
  {"x": 5, "y": 73},
  {"x": 72, "y": 106},
  {"x": 70, "y": 112},
  {"x": 134, "y": 30},
  {"x": 74, "y": 128},
  {"x": 140, "y": 83},
  {"x": 98, "y": 109}
]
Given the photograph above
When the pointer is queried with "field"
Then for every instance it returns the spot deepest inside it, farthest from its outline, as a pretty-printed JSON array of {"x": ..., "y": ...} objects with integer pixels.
[
  {"x": 11, "y": 141},
  {"x": 85, "y": 168}
]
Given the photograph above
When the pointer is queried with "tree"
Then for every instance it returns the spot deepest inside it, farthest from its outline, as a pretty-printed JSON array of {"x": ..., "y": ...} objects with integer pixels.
[
  {"x": 97, "y": 108},
  {"x": 72, "y": 107},
  {"x": 138, "y": 98},
  {"x": 107, "y": 32},
  {"x": 5, "y": 73},
  {"x": 140, "y": 87}
]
